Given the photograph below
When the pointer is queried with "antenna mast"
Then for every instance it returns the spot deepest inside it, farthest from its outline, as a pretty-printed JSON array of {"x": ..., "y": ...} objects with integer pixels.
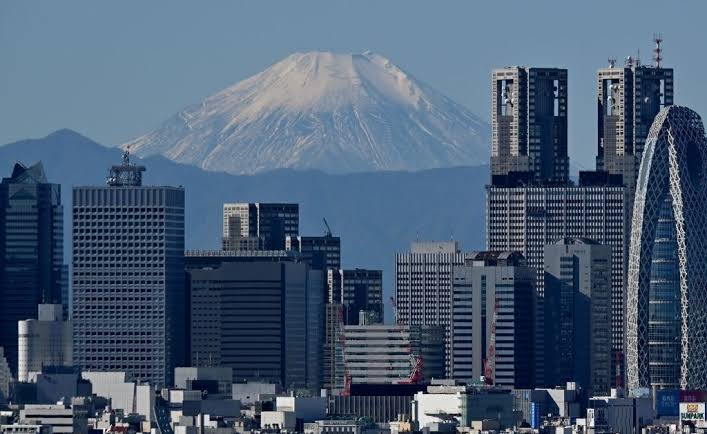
[{"x": 657, "y": 51}]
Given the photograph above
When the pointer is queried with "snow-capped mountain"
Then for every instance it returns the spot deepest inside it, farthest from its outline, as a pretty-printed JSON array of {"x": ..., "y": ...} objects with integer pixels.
[{"x": 319, "y": 110}]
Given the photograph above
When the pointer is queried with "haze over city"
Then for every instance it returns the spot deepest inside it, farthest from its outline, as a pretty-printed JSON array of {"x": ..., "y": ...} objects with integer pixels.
[{"x": 353, "y": 217}]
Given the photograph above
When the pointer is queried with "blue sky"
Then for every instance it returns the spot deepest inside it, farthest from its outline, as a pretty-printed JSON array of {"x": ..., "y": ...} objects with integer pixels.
[{"x": 114, "y": 70}]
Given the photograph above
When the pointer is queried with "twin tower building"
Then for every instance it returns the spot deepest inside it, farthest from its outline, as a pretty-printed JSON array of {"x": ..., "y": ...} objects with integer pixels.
[{"x": 645, "y": 201}]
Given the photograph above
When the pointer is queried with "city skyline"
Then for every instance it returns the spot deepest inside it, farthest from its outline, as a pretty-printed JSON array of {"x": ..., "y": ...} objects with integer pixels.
[{"x": 334, "y": 245}]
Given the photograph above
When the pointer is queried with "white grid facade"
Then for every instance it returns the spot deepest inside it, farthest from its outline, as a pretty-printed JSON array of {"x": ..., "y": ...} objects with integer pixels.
[{"x": 673, "y": 166}]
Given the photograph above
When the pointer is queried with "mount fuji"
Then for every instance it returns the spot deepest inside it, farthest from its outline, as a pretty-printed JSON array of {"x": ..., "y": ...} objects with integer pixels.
[{"x": 338, "y": 113}]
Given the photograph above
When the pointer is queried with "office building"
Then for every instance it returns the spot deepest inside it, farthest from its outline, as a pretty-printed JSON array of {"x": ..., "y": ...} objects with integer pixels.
[
  {"x": 45, "y": 341},
  {"x": 31, "y": 250},
  {"x": 526, "y": 219},
  {"x": 423, "y": 286},
  {"x": 321, "y": 253},
  {"x": 529, "y": 125},
  {"x": 333, "y": 350},
  {"x": 128, "y": 276},
  {"x": 192, "y": 378},
  {"x": 357, "y": 290},
  {"x": 578, "y": 314},
  {"x": 61, "y": 418},
  {"x": 667, "y": 273},
  {"x": 259, "y": 314},
  {"x": 245, "y": 223},
  {"x": 386, "y": 354},
  {"x": 628, "y": 99},
  {"x": 5, "y": 378},
  {"x": 492, "y": 326},
  {"x": 618, "y": 413}
]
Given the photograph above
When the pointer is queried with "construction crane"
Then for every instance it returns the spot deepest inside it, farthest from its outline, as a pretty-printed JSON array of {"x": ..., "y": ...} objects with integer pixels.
[
  {"x": 416, "y": 363},
  {"x": 327, "y": 231},
  {"x": 342, "y": 339},
  {"x": 490, "y": 362}
]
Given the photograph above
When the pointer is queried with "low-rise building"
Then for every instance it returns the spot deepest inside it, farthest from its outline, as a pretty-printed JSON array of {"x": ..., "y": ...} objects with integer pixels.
[
  {"x": 61, "y": 418},
  {"x": 619, "y": 413},
  {"x": 45, "y": 341},
  {"x": 462, "y": 405}
]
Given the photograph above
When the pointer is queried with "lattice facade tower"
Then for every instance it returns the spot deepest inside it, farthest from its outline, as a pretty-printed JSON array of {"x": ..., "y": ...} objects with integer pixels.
[{"x": 674, "y": 169}]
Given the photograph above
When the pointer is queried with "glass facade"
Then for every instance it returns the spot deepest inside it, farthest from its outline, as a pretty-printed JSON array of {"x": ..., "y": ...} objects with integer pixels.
[{"x": 664, "y": 304}]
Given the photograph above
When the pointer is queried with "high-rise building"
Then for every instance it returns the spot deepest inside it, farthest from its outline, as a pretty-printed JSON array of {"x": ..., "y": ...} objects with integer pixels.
[
  {"x": 357, "y": 290},
  {"x": 423, "y": 285},
  {"x": 628, "y": 99},
  {"x": 5, "y": 378},
  {"x": 31, "y": 250},
  {"x": 258, "y": 313},
  {"x": 269, "y": 222},
  {"x": 321, "y": 253},
  {"x": 385, "y": 354},
  {"x": 667, "y": 272},
  {"x": 333, "y": 351},
  {"x": 128, "y": 276},
  {"x": 45, "y": 341},
  {"x": 526, "y": 219},
  {"x": 578, "y": 314},
  {"x": 529, "y": 124},
  {"x": 493, "y": 311}
]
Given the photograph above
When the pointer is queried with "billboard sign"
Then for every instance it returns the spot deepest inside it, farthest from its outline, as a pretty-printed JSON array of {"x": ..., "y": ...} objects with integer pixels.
[
  {"x": 692, "y": 411},
  {"x": 667, "y": 402}
]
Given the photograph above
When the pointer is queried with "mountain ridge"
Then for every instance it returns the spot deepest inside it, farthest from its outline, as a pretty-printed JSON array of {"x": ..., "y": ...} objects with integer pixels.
[{"x": 376, "y": 214}]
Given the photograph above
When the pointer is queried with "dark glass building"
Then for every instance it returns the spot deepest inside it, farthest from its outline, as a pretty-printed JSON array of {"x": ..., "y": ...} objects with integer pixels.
[{"x": 31, "y": 250}]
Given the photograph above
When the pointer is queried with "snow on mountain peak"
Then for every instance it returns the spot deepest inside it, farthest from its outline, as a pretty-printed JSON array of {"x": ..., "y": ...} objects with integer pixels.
[{"x": 334, "y": 112}]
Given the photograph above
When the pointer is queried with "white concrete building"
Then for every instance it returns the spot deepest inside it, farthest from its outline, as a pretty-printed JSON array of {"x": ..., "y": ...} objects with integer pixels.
[
  {"x": 45, "y": 341},
  {"x": 61, "y": 418},
  {"x": 282, "y": 420}
]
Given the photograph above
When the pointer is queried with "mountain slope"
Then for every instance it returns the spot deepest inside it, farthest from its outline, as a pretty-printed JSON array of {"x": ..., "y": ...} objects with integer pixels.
[
  {"x": 333, "y": 112},
  {"x": 376, "y": 214}
]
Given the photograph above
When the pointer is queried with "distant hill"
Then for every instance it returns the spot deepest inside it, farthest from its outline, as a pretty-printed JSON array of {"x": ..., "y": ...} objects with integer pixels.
[
  {"x": 339, "y": 113},
  {"x": 375, "y": 213}
]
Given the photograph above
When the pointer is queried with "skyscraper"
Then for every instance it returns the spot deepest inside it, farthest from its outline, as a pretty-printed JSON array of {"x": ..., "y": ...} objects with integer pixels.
[
  {"x": 493, "y": 320},
  {"x": 271, "y": 223},
  {"x": 321, "y": 253},
  {"x": 526, "y": 219},
  {"x": 667, "y": 272},
  {"x": 31, "y": 250},
  {"x": 529, "y": 123},
  {"x": 128, "y": 276},
  {"x": 578, "y": 314},
  {"x": 259, "y": 313},
  {"x": 531, "y": 202},
  {"x": 628, "y": 99},
  {"x": 357, "y": 290},
  {"x": 423, "y": 286}
]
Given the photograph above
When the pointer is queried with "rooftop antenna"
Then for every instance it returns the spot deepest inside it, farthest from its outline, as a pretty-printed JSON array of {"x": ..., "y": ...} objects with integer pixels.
[
  {"x": 638, "y": 57},
  {"x": 657, "y": 51},
  {"x": 612, "y": 62},
  {"x": 126, "y": 174}
]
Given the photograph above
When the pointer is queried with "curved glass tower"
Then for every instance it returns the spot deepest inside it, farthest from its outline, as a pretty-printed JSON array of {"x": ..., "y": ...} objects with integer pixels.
[
  {"x": 666, "y": 328},
  {"x": 664, "y": 303}
]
